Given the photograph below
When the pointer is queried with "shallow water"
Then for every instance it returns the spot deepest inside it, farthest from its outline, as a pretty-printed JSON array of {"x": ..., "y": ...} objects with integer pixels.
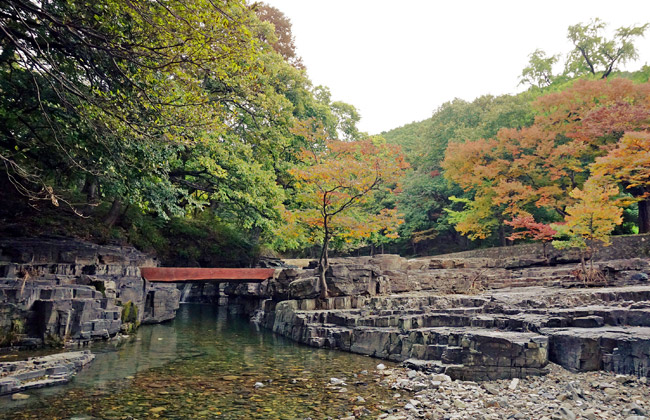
[{"x": 205, "y": 365}]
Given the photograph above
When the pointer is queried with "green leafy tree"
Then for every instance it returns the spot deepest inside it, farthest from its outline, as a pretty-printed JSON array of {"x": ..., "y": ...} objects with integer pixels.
[
  {"x": 347, "y": 117},
  {"x": 596, "y": 55},
  {"x": 540, "y": 69},
  {"x": 593, "y": 55},
  {"x": 110, "y": 89}
]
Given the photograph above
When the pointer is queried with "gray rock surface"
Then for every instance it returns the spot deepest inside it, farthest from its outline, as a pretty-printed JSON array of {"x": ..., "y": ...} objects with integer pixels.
[
  {"x": 57, "y": 290},
  {"x": 40, "y": 372},
  {"x": 473, "y": 318},
  {"x": 508, "y": 333},
  {"x": 559, "y": 395}
]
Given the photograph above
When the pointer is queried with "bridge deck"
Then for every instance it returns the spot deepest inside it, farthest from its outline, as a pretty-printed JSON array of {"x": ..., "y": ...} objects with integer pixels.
[{"x": 184, "y": 274}]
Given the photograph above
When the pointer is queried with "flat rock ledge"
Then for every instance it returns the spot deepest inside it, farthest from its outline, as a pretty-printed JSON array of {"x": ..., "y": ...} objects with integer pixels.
[{"x": 40, "y": 372}]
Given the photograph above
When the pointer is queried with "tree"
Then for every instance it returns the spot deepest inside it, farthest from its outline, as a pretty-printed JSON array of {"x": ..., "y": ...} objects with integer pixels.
[
  {"x": 426, "y": 191},
  {"x": 629, "y": 164},
  {"x": 540, "y": 69},
  {"x": 521, "y": 171},
  {"x": 531, "y": 229},
  {"x": 589, "y": 221},
  {"x": 348, "y": 117},
  {"x": 593, "y": 54},
  {"x": 335, "y": 185},
  {"x": 111, "y": 90},
  {"x": 282, "y": 40},
  {"x": 596, "y": 55},
  {"x": 478, "y": 218}
]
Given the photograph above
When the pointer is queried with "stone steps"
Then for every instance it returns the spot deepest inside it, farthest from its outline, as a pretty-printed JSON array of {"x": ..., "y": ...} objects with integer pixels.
[
  {"x": 497, "y": 335},
  {"x": 513, "y": 319},
  {"x": 463, "y": 352}
]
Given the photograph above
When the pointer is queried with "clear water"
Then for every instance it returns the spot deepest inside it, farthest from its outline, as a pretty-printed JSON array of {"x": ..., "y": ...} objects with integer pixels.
[{"x": 205, "y": 365}]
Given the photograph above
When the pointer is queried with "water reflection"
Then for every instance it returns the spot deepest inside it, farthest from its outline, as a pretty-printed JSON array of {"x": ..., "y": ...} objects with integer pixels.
[{"x": 206, "y": 364}]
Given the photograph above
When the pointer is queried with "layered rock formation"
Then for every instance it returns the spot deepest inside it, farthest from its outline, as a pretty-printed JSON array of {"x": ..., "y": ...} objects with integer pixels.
[
  {"x": 474, "y": 318},
  {"x": 495, "y": 335},
  {"x": 53, "y": 290},
  {"x": 471, "y": 318},
  {"x": 390, "y": 274}
]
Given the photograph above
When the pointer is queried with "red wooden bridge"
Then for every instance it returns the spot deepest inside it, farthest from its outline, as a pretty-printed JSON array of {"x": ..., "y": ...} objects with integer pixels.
[{"x": 185, "y": 274}]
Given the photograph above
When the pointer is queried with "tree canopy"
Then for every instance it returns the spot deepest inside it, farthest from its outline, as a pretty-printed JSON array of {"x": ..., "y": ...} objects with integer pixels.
[
  {"x": 523, "y": 171},
  {"x": 171, "y": 108},
  {"x": 195, "y": 113},
  {"x": 335, "y": 185}
]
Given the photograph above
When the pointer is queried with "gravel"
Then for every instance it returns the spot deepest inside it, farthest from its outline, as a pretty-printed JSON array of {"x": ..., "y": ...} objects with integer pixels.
[{"x": 560, "y": 395}]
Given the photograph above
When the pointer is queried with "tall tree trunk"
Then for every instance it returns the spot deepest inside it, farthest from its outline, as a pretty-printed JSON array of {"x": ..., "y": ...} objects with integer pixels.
[
  {"x": 324, "y": 266},
  {"x": 323, "y": 262},
  {"x": 502, "y": 235},
  {"x": 644, "y": 216},
  {"x": 113, "y": 213},
  {"x": 91, "y": 188}
]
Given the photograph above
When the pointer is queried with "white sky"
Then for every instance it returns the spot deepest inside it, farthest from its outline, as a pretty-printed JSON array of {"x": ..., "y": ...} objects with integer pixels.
[{"x": 396, "y": 62}]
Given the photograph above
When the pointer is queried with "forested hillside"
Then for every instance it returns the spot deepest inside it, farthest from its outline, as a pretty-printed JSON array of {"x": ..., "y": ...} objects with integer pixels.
[
  {"x": 192, "y": 129},
  {"x": 479, "y": 166},
  {"x": 165, "y": 125}
]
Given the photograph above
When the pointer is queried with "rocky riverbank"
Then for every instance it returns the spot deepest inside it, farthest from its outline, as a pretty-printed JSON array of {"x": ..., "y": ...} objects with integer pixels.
[
  {"x": 470, "y": 318},
  {"x": 560, "y": 395},
  {"x": 55, "y": 291},
  {"x": 473, "y": 319}
]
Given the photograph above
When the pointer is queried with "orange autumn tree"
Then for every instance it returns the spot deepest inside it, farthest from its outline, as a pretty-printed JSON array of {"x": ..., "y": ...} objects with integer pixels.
[
  {"x": 506, "y": 176},
  {"x": 335, "y": 187},
  {"x": 629, "y": 164},
  {"x": 531, "y": 169}
]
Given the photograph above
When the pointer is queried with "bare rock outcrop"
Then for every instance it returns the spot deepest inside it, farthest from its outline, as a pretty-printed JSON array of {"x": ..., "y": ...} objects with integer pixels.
[
  {"x": 54, "y": 290},
  {"x": 470, "y": 318},
  {"x": 40, "y": 372}
]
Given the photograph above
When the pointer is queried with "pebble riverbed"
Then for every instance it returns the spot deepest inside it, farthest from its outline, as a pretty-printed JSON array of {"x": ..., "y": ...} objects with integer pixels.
[{"x": 560, "y": 395}]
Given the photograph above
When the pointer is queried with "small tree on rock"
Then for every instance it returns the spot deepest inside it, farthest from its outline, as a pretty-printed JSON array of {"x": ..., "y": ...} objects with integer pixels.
[
  {"x": 334, "y": 186},
  {"x": 589, "y": 222},
  {"x": 531, "y": 230}
]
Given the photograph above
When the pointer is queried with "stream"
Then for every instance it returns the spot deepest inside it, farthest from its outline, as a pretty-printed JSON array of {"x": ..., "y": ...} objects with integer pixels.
[{"x": 207, "y": 364}]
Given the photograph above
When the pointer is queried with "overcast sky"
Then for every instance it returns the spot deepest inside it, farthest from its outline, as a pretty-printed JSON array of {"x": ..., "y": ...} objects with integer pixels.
[{"x": 398, "y": 61}]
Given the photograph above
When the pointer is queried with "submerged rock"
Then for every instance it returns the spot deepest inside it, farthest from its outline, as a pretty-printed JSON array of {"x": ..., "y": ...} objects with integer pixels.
[{"x": 40, "y": 372}]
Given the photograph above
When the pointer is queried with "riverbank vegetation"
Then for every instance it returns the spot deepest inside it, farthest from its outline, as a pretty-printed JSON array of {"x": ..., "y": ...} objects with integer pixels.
[{"x": 192, "y": 129}]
